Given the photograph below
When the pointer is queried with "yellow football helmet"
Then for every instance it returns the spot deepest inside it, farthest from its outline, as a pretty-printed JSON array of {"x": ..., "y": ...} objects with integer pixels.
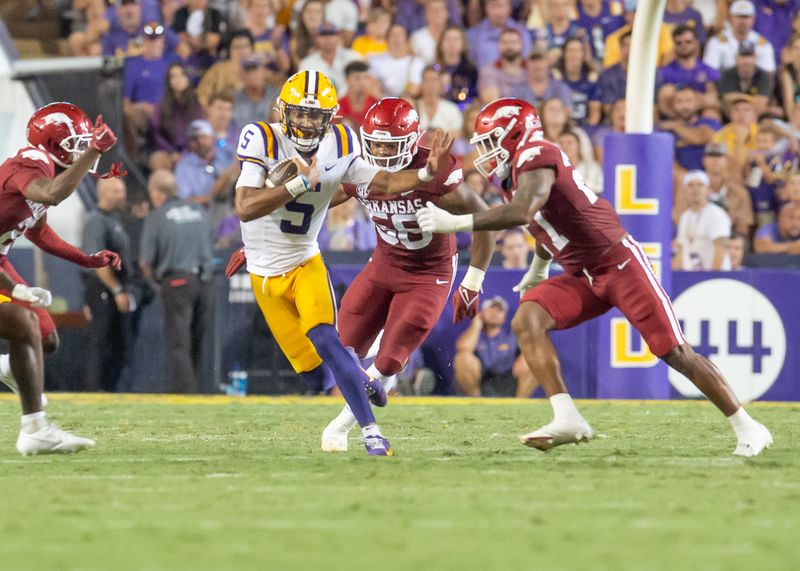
[{"x": 307, "y": 104}]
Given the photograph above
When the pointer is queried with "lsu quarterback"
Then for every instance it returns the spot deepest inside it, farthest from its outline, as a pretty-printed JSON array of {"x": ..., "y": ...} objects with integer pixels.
[{"x": 289, "y": 173}]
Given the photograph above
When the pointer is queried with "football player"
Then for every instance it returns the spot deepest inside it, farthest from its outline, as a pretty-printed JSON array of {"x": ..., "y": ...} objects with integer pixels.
[
  {"x": 404, "y": 287},
  {"x": 604, "y": 267},
  {"x": 282, "y": 205},
  {"x": 63, "y": 146}
]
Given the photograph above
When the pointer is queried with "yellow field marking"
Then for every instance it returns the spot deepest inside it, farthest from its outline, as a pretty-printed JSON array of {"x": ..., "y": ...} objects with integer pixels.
[{"x": 136, "y": 398}]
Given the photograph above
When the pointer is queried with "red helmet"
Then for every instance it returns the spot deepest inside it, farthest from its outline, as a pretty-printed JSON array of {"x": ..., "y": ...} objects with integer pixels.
[
  {"x": 390, "y": 120},
  {"x": 500, "y": 128},
  {"x": 62, "y": 130}
]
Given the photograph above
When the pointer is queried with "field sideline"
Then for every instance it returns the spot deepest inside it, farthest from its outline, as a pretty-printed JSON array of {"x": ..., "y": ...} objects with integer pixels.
[{"x": 177, "y": 484}]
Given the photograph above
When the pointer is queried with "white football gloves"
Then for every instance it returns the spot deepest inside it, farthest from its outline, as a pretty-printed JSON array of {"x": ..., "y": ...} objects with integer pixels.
[
  {"x": 36, "y": 296},
  {"x": 538, "y": 272},
  {"x": 431, "y": 218}
]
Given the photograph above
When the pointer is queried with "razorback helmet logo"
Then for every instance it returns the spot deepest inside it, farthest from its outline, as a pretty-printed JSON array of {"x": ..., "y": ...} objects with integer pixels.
[{"x": 500, "y": 128}]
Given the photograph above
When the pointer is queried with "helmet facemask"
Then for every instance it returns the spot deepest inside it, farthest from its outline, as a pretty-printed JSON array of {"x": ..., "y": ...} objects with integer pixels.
[
  {"x": 76, "y": 145},
  {"x": 492, "y": 157},
  {"x": 305, "y": 126},
  {"x": 391, "y": 161}
]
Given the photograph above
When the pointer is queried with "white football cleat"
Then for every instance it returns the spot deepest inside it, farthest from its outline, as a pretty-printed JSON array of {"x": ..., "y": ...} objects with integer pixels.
[
  {"x": 556, "y": 433},
  {"x": 754, "y": 442},
  {"x": 51, "y": 440}
]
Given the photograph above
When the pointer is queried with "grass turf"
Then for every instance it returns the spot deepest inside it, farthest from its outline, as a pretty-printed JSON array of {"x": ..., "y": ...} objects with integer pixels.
[{"x": 213, "y": 484}]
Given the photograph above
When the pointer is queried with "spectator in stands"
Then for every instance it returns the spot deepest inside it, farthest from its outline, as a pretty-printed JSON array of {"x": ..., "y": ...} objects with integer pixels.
[
  {"x": 774, "y": 22},
  {"x": 199, "y": 170},
  {"x": 462, "y": 148},
  {"x": 330, "y": 58},
  {"x": 721, "y": 50},
  {"x": 540, "y": 85},
  {"x": 107, "y": 294},
  {"x": 424, "y": 40},
  {"x": 505, "y": 76},
  {"x": 615, "y": 124},
  {"x": 739, "y": 134},
  {"x": 703, "y": 229},
  {"x": 90, "y": 25},
  {"x": 143, "y": 87},
  {"x": 347, "y": 229},
  {"x": 374, "y": 39},
  {"x": 306, "y": 25},
  {"x": 514, "y": 249},
  {"x": 343, "y": 14},
  {"x": 220, "y": 117},
  {"x": 411, "y": 13},
  {"x": 764, "y": 171},
  {"x": 598, "y": 19},
  {"x": 726, "y": 188},
  {"x": 259, "y": 20},
  {"x": 480, "y": 186},
  {"x": 487, "y": 358},
  {"x": 226, "y": 75},
  {"x": 176, "y": 253},
  {"x": 255, "y": 100},
  {"x": 178, "y": 108},
  {"x": 436, "y": 112},
  {"x": 789, "y": 76},
  {"x": 578, "y": 75},
  {"x": 687, "y": 69},
  {"x": 555, "y": 117},
  {"x": 692, "y": 131},
  {"x": 746, "y": 77},
  {"x": 459, "y": 74},
  {"x": 613, "y": 81},
  {"x": 484, "y": 38},
  {"x": 398, "y": 70},
  {"x": 558, "y": 29},
  {"x": 781, "y": 237},
  {"x": 199, "y": 27},
  {"x": 592, "y": 172},
  {"x": 123, "y": 30},
  {"x": 682, "y": 13},
  {"x": 790, "y": 194},
  {"x": 354, "y": 106},
  {"x": 737, "y": 247}
]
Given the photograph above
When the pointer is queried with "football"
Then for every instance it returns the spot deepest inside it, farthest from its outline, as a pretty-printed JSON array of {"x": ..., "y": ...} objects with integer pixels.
[{"x": 282, "y": 172}]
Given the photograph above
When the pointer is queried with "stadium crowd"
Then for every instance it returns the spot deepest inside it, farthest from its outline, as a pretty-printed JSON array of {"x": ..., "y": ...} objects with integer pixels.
[{"x": 728, "y": 84}]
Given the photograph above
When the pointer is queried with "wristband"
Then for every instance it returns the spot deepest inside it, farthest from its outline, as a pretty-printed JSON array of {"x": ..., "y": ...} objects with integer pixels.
[
  {"x": 297, "y": 186},
  {"x": 473, "y": 279},
  {"x": 540, "y": 267},
  {"x": 423, "y": 175}
]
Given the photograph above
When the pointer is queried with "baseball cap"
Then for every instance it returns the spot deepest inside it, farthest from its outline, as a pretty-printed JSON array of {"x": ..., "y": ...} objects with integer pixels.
[
  {"x": 731, "y": 99},
  {"x": 327, "y": 29},
  {"x": 252, "y": 62},
  {"x": 696, "y": 175},
  {"x": 199, "y": 127},
  {"x": 742, "y": 8},
  {"x": 495, "y": 300},
  {"x": 715, "y": 150},
  {"x": 747, "y": 49},
  {"x": 153, "y": 30}
]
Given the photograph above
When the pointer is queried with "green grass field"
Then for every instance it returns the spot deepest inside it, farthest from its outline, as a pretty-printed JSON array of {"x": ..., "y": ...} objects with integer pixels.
[{"x": 214, "y": 484}]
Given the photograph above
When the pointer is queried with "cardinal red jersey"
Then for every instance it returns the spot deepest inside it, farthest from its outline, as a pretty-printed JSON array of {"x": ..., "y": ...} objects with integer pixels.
[
  {"x": 17, "y": 213},
  {"x": 575, "y": 225},
  {"x": 401, "y": 243}
]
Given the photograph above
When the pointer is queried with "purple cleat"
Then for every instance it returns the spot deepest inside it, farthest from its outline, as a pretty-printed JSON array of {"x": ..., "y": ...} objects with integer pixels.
[
  {"x": 377, "y": 445},
  {"x": 375, "y": 391}
]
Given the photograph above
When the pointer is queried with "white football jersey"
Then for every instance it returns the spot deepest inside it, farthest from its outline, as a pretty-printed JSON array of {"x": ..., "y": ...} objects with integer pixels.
[{"x": 282, "y": 240}]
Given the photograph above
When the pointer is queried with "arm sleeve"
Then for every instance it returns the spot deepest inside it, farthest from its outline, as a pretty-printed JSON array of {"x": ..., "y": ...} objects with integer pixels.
[
  {"x": 252, "y": 157},
  {"x": 94, "y": 235},
  {"x": 30, "y": 165},
  {"x": 448, "y": 179},
  {"x": 720, "y": 226},
  {"x": 360, "y": 172},
  {"x": 46, "y": 239}
]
